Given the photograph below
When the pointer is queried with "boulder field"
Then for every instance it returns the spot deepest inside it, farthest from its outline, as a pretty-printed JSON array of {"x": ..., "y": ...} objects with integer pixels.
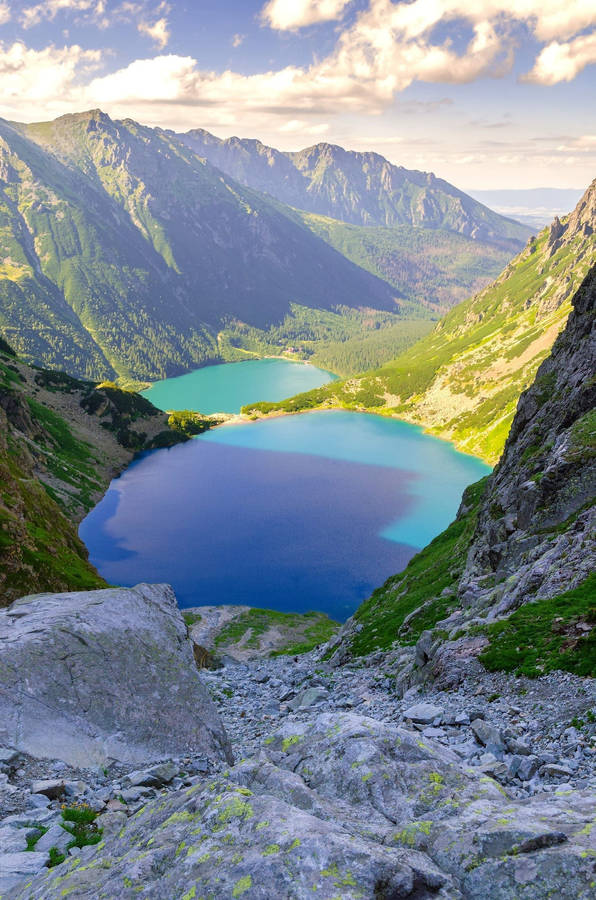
[{"x": 340, "y": 787}]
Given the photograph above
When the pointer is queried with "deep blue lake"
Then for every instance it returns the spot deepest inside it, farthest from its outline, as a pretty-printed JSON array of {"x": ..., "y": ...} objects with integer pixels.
[{"x": 297, "y": 513}]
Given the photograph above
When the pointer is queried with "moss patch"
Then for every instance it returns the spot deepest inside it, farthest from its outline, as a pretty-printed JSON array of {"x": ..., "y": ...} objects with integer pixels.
[
  {"x": 294, "y": 633},
  {"x": 547, "y": 635}
]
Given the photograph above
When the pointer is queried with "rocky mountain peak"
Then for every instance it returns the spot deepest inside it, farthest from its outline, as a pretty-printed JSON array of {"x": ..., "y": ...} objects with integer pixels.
[{"x": 580, "y": 223}]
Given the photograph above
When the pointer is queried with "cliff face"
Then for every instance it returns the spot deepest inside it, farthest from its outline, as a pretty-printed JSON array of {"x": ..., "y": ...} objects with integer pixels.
[{"x": 535, "y": 523}]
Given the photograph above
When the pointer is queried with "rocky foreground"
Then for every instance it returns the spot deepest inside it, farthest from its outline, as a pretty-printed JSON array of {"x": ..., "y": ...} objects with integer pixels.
[{"x": 340, "y": 789}]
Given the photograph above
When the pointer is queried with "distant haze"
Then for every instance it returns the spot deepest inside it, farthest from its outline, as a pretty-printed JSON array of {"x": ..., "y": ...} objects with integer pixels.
[{"x": 535, "y": 207}]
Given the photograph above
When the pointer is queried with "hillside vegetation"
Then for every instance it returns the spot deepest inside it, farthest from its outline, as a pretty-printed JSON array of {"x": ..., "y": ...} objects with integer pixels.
[
  {"x": 61, "y": 441},
  {"x": 437, "y": 268},
  {"x": 463, "y": 380},
  {"x": 125, "y": 254}
]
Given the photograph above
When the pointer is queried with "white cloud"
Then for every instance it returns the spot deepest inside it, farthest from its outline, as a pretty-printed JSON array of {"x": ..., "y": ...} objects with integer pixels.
[
  {"x": 158, "y": 32},
  {"x": 4, "y": 13},
  {"x": 388, "y": 46},
  {"x": 49, "y": 9},
  {"x": 385, "y": 48},
  {"x": 562, "y": 62},
  {"x": 585, "y": 143},
  {"x": 161, "y": 79},
  {"x": 287, "y": 15},
  {"x": 42, "y": 79},
  {"x": 237, "y": 40}
]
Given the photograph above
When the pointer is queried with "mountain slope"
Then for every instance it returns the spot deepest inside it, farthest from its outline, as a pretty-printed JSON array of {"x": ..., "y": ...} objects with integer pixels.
[
  {"x": 512, "y": 579},
  {"x": 463, "y": 381},
  {"x": 433, "y": 267},
  {"x": 358, "y": 188},
  {"x": 61, "y": 441},
  {"x": 126, "y": 254}
]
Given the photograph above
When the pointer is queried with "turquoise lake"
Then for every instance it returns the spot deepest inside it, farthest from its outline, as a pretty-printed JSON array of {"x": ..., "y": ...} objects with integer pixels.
[
  {"x": 296, "y": 513},
  {"x": 227, "y": 387}
]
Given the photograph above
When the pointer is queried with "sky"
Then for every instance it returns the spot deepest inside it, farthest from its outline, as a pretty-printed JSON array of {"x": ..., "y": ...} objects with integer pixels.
[{"x": 485, "y": 93}]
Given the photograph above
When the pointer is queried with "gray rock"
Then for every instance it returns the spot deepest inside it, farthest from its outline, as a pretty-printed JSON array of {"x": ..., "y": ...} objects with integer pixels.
[
  {"x": 52, "y": 788},
  {"x": 38, "y": 801},
  {"x": 514, "y": 745},
  {"x": 432, "y": 732},
  {"x": 130, "y": 795},
  {"x": 525, "y": 767},
  {"x": 31, "y": 818},
  {"x": 76, "y": 788},
  {"x": 14, "y": 867},
  {"x": 57, "y": 837},
  {"x": 155, "y": 776},
  {"x": 94, "y": 675},
  {"x": 112, "y": 822},
  {"x": 340, "y": 806},
  {"x": 556, "y": 771},
  {"x": 424, "y": 713},
  {"x": 309, "y": 697},
  {"x": 14, "y": 840},
  {"x": 487, "y": 734},
  {"x": 9, "y": 759}
]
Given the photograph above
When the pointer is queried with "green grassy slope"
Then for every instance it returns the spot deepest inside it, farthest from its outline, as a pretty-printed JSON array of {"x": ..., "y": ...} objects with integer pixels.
[
  {"x": 437, "y": 268},
  {"x": 463, "y": 380},
  {"x": 511, "y": 580},
  {"x": 61, "y": 441}
]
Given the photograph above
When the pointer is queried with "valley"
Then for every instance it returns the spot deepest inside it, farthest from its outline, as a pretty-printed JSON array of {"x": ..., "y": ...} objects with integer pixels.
[
  {"x": 462, "y": 382},
  {"x": 350, "y": 651}
]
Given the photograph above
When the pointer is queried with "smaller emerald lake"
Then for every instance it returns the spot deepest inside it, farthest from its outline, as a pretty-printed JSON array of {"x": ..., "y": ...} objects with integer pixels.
[{"x": 227, "y": 387}]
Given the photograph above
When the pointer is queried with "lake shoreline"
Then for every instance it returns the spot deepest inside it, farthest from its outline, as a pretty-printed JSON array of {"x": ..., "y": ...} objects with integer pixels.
[{"x": 245, "y": 419}]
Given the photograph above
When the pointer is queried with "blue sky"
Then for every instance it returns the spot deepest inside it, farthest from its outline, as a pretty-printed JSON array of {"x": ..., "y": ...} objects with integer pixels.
[{"x": 487, "y": 95}]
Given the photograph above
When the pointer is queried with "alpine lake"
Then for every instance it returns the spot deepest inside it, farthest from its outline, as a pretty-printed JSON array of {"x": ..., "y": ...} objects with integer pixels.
[{"x": 295, "y": 513}]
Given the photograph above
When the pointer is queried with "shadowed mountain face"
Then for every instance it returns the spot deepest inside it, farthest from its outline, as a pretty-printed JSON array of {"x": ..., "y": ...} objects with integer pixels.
[
  {"x": 125, "y": 254},
  {"x": 359, "y": 188}
]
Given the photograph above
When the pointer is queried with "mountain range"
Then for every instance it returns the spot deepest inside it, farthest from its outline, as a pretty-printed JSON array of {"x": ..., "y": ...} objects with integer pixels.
[
  {"x": 358, "y": 188},
  {"x": 126, "y": 254}
]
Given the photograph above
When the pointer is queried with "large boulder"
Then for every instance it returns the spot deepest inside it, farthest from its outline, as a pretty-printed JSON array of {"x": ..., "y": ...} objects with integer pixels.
[
  {"x": 341, "y": 806},
  {"x": 94, "y": 675}
]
